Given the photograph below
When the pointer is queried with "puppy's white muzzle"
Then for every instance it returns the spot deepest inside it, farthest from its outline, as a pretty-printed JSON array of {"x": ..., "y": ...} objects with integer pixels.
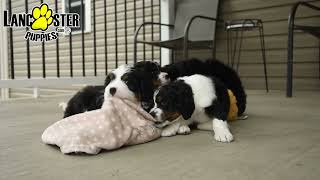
[
  {"x": 164, "y": 78},
  {"x": 157, "y": 114}
]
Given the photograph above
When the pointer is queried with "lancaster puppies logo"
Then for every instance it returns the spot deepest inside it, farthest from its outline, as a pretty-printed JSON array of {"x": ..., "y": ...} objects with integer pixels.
[
  {"x": 40, "y": 22},
  {"x": 43, "y": 18}
]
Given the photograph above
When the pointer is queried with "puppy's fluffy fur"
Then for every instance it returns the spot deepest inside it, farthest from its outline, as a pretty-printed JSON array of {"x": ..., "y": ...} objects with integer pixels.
[
  {"x": 214, "y": 68},
  {"x": 87, "y": 99},
  {"x": 135, "y": 83},
  {"x": 198, "y": 99}
]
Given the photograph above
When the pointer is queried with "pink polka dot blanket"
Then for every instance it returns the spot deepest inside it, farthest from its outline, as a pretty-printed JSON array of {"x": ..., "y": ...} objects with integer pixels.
[{"x": 118, "y": 123}]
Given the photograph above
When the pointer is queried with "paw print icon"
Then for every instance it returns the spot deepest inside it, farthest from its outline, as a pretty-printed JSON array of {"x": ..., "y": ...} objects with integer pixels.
[{"x": 43, "y": 17}]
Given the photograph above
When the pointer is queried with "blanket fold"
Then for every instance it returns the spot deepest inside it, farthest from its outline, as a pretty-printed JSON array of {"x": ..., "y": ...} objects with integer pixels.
[{"x": 118, "y": 123}]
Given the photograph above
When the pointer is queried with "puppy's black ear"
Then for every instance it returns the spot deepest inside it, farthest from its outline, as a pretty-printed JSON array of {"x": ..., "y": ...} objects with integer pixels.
[
  {"x": 185, "y": 101},
  {"x": 109, "y": 78},
  {"x": 172, "y": 71},
  {"x": 187, "y": 107},
  {"x": 146, "y": 88},
  {"x": 99, "y": 101}
]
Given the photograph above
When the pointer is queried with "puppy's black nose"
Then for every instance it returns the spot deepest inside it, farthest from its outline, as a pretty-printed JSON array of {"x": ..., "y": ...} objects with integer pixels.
[
  {"x": 113, "y": 91},
  {"x": 153, "y": 114},
  {"x": 166, "y": 76}
]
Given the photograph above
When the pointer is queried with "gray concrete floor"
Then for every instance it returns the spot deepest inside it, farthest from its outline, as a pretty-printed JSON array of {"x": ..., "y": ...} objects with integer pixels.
[{"x": 280, "y": 140}]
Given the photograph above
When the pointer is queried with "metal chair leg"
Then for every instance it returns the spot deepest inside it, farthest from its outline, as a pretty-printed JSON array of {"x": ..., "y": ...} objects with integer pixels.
[
  {"x": 319, "y": 58},
  {"x": 185, "y": 48},
  {"x": 239, "y": 54},
  {"x": 290, "y": 62},
  {"x": 263, "y": 50},
  {"x": 235, "y": 49},
  {"x": 228, "y": 47},
  {"x": 173, "y": 56},
  {"x": 214, "y": 51},
  {"x": 135, "y": 49},
  {"x": 186, "y": 53},
  {"x": 214, "y": 48}
]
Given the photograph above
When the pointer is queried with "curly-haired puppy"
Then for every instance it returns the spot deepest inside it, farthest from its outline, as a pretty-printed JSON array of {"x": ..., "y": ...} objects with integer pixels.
[
  {"x": 136, "y": 83},
  {"x": 214, "y": 68},
  {"x": 195, "y": 99}
]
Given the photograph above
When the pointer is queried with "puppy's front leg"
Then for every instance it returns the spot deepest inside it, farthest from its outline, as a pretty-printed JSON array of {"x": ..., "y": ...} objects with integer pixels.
[
  {"x": 178, "y": 126},
  {"x": 171, "y": 129},
  {"x": 221, "y": 131},
  {"x": 184, "y": 130}
]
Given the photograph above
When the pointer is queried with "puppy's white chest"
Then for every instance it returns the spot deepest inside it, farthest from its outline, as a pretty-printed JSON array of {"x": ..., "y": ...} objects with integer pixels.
[{"x": 203, "y": 89}]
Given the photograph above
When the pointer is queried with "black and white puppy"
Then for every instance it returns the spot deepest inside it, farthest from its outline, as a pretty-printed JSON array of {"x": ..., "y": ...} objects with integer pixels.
[
  {"x": 87, "y": 99},
  {"x": 210, "y": 67},
  {"x": 135, "y": 83},
  {"x": 197, "y": 99},
  {"x": 129, "y": 83}
]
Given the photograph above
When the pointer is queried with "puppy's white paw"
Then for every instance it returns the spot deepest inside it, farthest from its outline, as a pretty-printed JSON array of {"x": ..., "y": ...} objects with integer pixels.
[
  {"x": 184, "y": 130},
  {"x": 221, "y": 131},
  {"x": 169, "y": 132},
  {"x": 63, "y": 106},
  {"x": 223, "y": 136}
]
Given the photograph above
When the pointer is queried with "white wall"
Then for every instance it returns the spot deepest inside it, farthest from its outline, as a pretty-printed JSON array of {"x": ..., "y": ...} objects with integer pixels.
[{"x": 3, "y": 54}]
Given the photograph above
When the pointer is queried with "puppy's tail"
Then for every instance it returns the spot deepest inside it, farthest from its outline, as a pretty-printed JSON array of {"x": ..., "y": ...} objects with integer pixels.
[{"x": 63, "y": 106}]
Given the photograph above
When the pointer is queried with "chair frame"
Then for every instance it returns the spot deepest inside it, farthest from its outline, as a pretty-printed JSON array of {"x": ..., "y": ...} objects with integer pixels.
[
  {"x": 257, "y": 24},
  {"x": 185, "y": 35},
  {"x": 136, "y": 33},
  {"x": 290, "y": 41}
]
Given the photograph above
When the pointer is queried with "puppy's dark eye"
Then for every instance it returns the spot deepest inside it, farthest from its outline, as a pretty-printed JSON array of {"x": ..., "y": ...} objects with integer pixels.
[
  {"x": 125, "y": 78},
  {"x": 155, "y": 72},
  {"x": 163, "y": 104},
  {"x": 109, "y": 78},
  {"x": 112, "y": 76}
]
